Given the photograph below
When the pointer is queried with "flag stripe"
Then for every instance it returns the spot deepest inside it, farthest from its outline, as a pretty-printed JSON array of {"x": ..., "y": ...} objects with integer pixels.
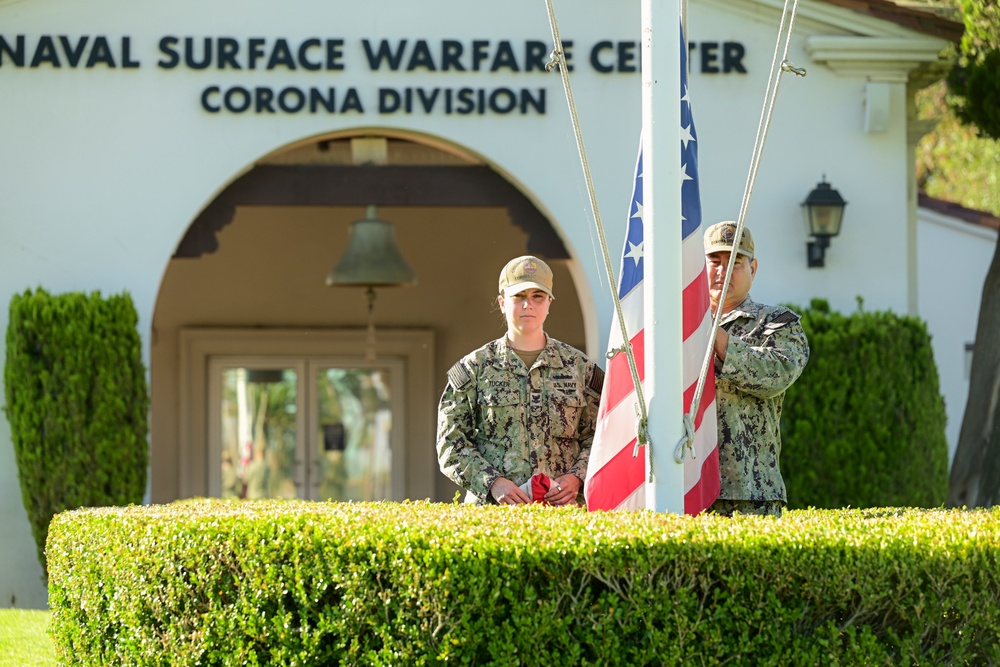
[
  {"x": 694, "y": 350},
  {"x": 707, "y": 400},
  {"x": 619, "y": 426},
  {"x": 618, "y": 479},
  {"x": 693, "y": 259},
  {"x": 694, "y": 304},
  {"x": 618, "y": 378},
  {"x": 704, "y": 493}
]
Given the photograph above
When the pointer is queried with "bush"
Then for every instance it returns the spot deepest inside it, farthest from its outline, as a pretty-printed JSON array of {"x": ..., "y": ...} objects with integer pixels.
[
  {"x": 76, "y": 402},
  {"x": 296, "y": 583},
  {"x": 864, "y": 424}
]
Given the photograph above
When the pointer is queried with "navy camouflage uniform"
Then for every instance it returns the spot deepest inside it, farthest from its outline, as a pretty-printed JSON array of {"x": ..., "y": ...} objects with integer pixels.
[
  {"x": 497, "y": 418},
  {"x": 767, "y": 352}
]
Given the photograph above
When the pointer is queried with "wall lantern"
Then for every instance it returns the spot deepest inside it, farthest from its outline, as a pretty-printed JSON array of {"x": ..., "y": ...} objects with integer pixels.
[
  {"x": 372, "y": 259},
  {"x": 824, "y": 208}
]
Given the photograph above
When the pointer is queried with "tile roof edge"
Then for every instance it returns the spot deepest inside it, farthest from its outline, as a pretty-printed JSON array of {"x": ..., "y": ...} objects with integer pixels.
[
  {"x": 953, "y": 210},
  {"x": 923, "y": 21}
]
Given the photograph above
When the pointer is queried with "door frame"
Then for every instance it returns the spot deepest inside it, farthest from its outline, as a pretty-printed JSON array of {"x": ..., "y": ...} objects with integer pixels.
[{"x": 415, "y": 347}]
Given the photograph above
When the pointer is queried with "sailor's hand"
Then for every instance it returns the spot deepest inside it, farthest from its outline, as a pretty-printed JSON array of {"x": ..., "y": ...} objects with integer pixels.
[
  {"x": 506, "y": 492},
  {"x": 564, "y": 490}
]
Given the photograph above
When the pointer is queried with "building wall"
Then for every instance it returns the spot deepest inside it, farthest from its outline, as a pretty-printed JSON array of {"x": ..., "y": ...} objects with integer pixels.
[
  {"x": 954, "y": 259},
  {"x": 105, "y": 167}
]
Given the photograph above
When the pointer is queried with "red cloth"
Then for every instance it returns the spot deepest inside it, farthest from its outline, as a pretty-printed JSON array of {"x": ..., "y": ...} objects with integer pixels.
[{"x": 540, "y": 485}]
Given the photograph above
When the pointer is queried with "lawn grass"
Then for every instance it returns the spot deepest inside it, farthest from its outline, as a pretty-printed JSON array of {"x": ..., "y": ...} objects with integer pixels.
[{"x": 24, "y": 639}]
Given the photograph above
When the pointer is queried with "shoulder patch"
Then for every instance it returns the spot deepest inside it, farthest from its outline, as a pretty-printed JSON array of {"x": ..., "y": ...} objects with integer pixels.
[
  {"x": 784, "y": 317},
  {"x": 458, "y": 376},
  {"x": 596, "y": 382}
]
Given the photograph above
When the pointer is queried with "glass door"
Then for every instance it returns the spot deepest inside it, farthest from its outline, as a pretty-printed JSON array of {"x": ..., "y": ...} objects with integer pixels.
[
  {"x": 310, "y": 428},
  {"x": 354, "y": 411}
]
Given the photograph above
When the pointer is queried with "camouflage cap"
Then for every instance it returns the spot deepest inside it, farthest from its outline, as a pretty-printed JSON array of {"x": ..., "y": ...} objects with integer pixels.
[
  {"x": 719, "y": 238},
  {"x": 523, "y": 273}
]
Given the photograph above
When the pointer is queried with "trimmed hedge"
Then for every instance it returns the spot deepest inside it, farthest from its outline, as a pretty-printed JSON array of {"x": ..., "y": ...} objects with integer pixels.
[
  {"x": 296, "y": 583},
  {"x": 864, "y": 426},
  {"x": 77, "y": 403}
]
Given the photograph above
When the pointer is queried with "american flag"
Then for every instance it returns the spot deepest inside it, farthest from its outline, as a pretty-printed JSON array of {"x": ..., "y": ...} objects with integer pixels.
[{"x": 615, "y": 478}]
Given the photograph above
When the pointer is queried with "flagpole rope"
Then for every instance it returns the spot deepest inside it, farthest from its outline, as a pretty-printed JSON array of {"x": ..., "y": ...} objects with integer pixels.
[
  {"x": 558, "y": 59},
  {"x": 770, "y": 96}
]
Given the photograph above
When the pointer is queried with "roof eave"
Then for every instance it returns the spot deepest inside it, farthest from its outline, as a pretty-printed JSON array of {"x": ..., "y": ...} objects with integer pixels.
[{"x": 921, "y": 21}]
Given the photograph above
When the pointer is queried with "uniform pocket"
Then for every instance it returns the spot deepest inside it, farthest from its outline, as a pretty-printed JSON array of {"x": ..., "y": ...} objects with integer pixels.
[
  {"x": 499, "y": 410},
  {"x": 567, "y": 406}
]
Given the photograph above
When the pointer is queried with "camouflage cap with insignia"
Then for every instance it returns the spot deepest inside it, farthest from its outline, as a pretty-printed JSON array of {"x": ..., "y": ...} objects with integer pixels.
[
  {"x": 719, "y": 238},
  {"x": 523, "y": 273}
]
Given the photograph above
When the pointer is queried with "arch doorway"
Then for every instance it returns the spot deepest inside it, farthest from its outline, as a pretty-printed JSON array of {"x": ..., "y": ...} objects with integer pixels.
[{"x": 253, "y": 356}]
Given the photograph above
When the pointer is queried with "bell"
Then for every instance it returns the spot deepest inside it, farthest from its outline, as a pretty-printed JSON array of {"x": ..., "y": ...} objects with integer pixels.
[{"x": 372, "y": 258}]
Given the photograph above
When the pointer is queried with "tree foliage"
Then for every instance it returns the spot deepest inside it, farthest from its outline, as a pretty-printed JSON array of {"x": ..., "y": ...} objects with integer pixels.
[
  {"x": 954, "y": 163},
  {"x": 975, "y": 80},
  {"x": 77, "y": 403},
  {"x": 959, "y": 160}
]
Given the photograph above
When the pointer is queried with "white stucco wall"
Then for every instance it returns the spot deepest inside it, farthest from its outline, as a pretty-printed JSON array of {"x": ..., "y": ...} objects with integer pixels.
[
  {"x": 103, "y": 169},
  {"x": 954, "y": 259}
]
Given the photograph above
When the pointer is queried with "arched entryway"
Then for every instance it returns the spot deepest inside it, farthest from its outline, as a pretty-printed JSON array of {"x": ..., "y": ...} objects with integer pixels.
[{"x": 244, "y": 318}]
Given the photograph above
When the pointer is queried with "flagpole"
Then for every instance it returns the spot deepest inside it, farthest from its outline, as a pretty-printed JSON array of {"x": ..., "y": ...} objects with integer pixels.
[{"x": 661, "y": 146}]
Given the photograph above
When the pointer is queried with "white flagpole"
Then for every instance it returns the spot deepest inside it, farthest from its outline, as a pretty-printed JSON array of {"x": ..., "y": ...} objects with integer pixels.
[{"x": 661, "y": 156}]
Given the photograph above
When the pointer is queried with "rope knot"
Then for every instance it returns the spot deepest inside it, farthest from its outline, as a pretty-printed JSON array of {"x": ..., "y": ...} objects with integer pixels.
[
  {"x": 687, "y": 440},
  {"x": 642, "y": 438},
  {"x": 641, "y": 430}
]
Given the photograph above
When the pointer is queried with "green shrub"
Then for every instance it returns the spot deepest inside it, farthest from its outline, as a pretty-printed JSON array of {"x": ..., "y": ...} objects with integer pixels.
[
  {"x": 76, "y": 402},
  {"x": 864, "y": 424},
  {"x": 296, "y": 583}
]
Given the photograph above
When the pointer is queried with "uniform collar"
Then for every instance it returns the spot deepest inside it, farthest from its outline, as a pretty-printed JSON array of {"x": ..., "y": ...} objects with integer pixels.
[{"x": 549, "y": 356}]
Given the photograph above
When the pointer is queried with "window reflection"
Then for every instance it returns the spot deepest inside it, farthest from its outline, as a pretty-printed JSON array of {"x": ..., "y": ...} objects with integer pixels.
[
  {"x": 259, "y": 433},
  {"x": 355, "y": 422}
]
